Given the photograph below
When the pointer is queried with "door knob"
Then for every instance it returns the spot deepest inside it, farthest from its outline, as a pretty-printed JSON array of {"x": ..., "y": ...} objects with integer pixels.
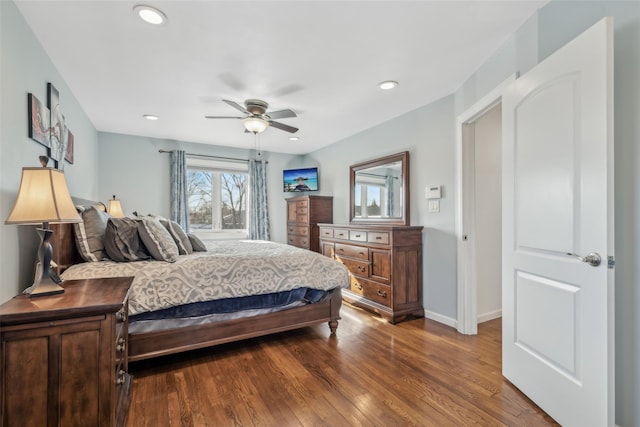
[{"x": 593, "y": 259}]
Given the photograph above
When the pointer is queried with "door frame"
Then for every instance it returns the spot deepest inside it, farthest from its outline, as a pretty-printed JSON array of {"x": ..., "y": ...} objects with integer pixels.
[{"x": 467, "y": 313}]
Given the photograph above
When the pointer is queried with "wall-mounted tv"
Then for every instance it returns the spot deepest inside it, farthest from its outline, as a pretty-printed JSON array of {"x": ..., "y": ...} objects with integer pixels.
[{"x": 304, "y": 179}]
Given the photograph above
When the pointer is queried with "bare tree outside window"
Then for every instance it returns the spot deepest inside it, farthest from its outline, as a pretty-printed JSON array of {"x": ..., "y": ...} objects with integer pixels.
[{"x": 217, "y": 200}]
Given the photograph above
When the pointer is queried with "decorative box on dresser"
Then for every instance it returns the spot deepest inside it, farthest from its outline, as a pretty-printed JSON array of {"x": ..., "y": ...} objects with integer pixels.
[
  {"x": 385, "y": 266},
  {"x": 64, "y": 357},
  {"x": 303, "y": 215}
]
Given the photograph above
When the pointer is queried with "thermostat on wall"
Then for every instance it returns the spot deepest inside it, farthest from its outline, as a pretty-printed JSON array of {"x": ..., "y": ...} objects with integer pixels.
[{"x": 433, "y": 192}]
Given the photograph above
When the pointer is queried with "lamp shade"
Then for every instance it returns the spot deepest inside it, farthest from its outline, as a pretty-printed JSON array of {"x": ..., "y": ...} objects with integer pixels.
[
  {"x": 43, "y": 197},
  {"x": 114, "y": 208},
  {"x": 255, "y": 124}
]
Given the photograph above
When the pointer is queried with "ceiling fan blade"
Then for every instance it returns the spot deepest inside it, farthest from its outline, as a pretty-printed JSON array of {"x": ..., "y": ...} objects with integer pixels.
[
  {"x": 222, "y": 117},
  {"x": 281, "y": 114},
  {"x": 236, "y": 106},
  {"x": 283, "y": 127}
]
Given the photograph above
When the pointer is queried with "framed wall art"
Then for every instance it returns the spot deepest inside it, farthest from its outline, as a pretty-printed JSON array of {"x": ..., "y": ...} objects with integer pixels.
[{"x": 39, "y": 121}]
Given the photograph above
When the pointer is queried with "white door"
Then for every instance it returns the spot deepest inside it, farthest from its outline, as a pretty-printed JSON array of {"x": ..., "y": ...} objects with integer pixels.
[{"x": 558, "y": 205}]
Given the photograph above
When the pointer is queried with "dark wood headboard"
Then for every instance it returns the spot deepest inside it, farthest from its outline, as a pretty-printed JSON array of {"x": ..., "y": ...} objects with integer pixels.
[{"x": 63, "y": 241}]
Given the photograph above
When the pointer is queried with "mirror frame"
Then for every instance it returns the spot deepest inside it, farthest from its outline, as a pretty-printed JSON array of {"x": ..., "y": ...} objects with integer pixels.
[{"x": 404, "y": 220}]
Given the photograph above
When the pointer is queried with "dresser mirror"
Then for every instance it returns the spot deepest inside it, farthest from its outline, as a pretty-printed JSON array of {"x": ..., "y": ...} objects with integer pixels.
[{"x": 379, "y": 190}]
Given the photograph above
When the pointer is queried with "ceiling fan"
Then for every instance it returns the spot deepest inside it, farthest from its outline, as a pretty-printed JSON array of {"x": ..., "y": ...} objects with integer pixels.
[{"x": 257, "y": 119}]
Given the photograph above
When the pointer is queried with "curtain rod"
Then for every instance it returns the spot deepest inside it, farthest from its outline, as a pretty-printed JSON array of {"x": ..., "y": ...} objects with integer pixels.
[{"x": 207, "y": 156}]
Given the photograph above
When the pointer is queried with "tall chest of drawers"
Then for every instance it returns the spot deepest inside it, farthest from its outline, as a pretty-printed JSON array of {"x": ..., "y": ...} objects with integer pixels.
[
  {"x": 64, "y": 357},
  {"x": 303, "y": 215},
  {"x": 385, "y": 266}
]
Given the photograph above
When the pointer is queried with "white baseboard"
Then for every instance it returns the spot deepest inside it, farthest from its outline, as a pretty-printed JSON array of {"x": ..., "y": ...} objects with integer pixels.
[
  {"x": 489, "y": 316},
  {"x": 441, "y": 319}
]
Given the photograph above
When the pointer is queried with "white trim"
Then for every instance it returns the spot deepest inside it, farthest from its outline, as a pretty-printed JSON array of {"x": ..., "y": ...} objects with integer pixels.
[
  {"x": 449, "y": 321},
  {"x": 495, "y": 314},
  {"x": 465, "y": 208}
]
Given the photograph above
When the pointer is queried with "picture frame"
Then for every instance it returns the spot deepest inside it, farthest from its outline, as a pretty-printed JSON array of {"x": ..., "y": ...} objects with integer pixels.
[
  {"x": 39, "y": 121},
  {"x": 57, "y": 125},
  {"x": 68, "y": 157}
]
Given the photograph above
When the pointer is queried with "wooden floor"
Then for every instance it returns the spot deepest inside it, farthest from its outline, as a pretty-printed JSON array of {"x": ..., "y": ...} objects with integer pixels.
[{"x": 416, "y": 373}]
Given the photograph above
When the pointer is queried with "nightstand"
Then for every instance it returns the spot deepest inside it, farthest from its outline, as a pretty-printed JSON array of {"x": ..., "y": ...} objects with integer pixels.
[{"x": 64, "y": 357}]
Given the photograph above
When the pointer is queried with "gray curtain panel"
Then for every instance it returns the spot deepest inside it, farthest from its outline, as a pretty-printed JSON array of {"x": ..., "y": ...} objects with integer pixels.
[
  {"x": 258, "y": 212},
  {"x": 390, "y": 195},
  {"x": 179, "y": 198}
]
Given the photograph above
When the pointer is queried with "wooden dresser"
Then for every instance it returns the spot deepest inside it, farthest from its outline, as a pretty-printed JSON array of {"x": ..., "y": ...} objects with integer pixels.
[
  {"x": 303, "y": 215},
  {"x": 64, "y": 357},
  {"x": 385, "y": 266}
]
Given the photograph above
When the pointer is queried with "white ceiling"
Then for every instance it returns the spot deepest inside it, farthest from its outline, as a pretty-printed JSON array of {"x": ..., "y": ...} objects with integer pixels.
[{"x": 322, "y": 59}]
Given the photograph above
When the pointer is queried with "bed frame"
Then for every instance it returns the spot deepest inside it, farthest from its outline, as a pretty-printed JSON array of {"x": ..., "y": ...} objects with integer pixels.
[{"x": 154, "y": 344}]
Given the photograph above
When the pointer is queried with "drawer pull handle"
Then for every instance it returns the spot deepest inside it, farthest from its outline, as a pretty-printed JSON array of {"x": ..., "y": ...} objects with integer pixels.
[
  {"x": 357, "y": 235},
  {"x": 120, "y": 316},
  {"x": 382, "y": 293},
  {"x": 361, "y": 253},
  {"x": 358, "y": 285},
  {"x": 340, "y": 250},
  {"x": 121, "y": 346},
  {"x": 361, "y": 269},
  {"x": 379, "y": 238}
]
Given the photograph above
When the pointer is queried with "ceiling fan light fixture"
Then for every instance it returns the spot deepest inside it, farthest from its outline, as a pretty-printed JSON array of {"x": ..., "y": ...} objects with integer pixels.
[
  {"x": 150, "y": 14},
  {"x": 151, "y": 117},
  {"x": 388, "y": 84},
  {"x": 294, "y": 138},
  {"x": 255, "y": 124}
]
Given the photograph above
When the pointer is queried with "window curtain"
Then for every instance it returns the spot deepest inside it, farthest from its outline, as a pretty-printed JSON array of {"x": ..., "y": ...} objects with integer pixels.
[
  {"x": 390, "y": 195},
  {"x": 258, "y": 212},
  {"x": 179, "y": 198}
]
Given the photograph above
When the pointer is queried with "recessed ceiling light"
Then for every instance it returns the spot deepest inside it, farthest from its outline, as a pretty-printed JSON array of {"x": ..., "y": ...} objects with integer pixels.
[
  {"x": 294, "y": 138},
  {"x": 150, "y": 14},
  {"x": 389, "y": 84},
  {"x": 150, "y": 117}
]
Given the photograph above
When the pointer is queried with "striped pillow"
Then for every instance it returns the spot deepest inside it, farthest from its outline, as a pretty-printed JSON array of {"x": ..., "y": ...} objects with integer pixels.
[{"x": 90, "y": 234}]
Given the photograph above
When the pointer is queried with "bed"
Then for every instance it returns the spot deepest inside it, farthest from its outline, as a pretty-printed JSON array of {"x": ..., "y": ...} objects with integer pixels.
[{"x": 209, "y": 298}]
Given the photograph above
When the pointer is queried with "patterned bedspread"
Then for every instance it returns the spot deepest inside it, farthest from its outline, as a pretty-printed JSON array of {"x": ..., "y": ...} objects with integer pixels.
[{"x": 229, "y": 269}]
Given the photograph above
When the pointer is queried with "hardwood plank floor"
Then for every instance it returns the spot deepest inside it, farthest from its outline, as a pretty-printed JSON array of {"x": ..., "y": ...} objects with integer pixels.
[{"x": 415, "y": 373}]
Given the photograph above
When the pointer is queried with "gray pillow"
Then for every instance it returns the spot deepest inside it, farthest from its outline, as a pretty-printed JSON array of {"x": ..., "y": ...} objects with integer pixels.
[
  {"x": 158, "y": 240},
  {"x": 122, "y": 241},
  {"x": 90, "y": 234},
  {"x": 179, "y": 236},
  {"x": 198, "y": 245}
]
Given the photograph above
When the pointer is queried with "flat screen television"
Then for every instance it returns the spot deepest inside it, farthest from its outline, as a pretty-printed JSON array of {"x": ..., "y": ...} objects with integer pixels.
[{"x": 298, "y": 180}]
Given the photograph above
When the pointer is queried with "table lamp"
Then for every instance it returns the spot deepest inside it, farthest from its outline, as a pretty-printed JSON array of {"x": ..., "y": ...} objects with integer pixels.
[
  {"x": 44, "y": 198},
  {"x": 115, "y": 208}
]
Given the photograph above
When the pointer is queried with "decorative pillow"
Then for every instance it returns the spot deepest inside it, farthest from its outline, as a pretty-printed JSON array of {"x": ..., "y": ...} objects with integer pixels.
[
  {"x": 158, "y": 240},
  {"x": 198, "y": 245},
  {"x": 122, "y": 240},
  {"x": 90, "y": 234},
  {"x": 179, "y": 236}
]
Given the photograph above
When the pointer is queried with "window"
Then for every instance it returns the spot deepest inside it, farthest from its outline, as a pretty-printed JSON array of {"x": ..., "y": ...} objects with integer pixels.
[
  {"x": 369, "y": 198},
  {"x": 217, "y": 193}
]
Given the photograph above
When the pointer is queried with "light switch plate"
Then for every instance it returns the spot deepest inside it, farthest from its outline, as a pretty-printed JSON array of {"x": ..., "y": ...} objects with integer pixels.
[{"x": 434, "y": 206}]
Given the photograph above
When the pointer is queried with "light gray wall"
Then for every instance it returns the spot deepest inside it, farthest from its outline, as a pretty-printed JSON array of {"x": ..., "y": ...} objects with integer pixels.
[
  {"x": 26, "y": 68},
  {"x": 428, "y": 134},
  {"x": 132, "y": 169}
]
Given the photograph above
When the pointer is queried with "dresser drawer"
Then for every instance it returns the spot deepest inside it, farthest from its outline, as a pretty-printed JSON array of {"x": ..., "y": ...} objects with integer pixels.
[
  {"x": 302, "y": 205},
  {"x": 358, "y": 235},
  {"x": 299, "y": 241},
  {"x": 326, "y": 232},
  {"x": 352, "y": 251},
  {"x": 378, "y": 237},
  {"x": 371, "y": 290},
  {"x": 298, "y": 230},
  {"x": 341, "y": 234},
  {"x": 361, "y": 268}
]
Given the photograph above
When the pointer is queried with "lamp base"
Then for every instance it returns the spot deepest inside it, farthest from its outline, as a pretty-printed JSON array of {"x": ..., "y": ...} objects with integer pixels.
[{"x": 45, "y": 287}]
